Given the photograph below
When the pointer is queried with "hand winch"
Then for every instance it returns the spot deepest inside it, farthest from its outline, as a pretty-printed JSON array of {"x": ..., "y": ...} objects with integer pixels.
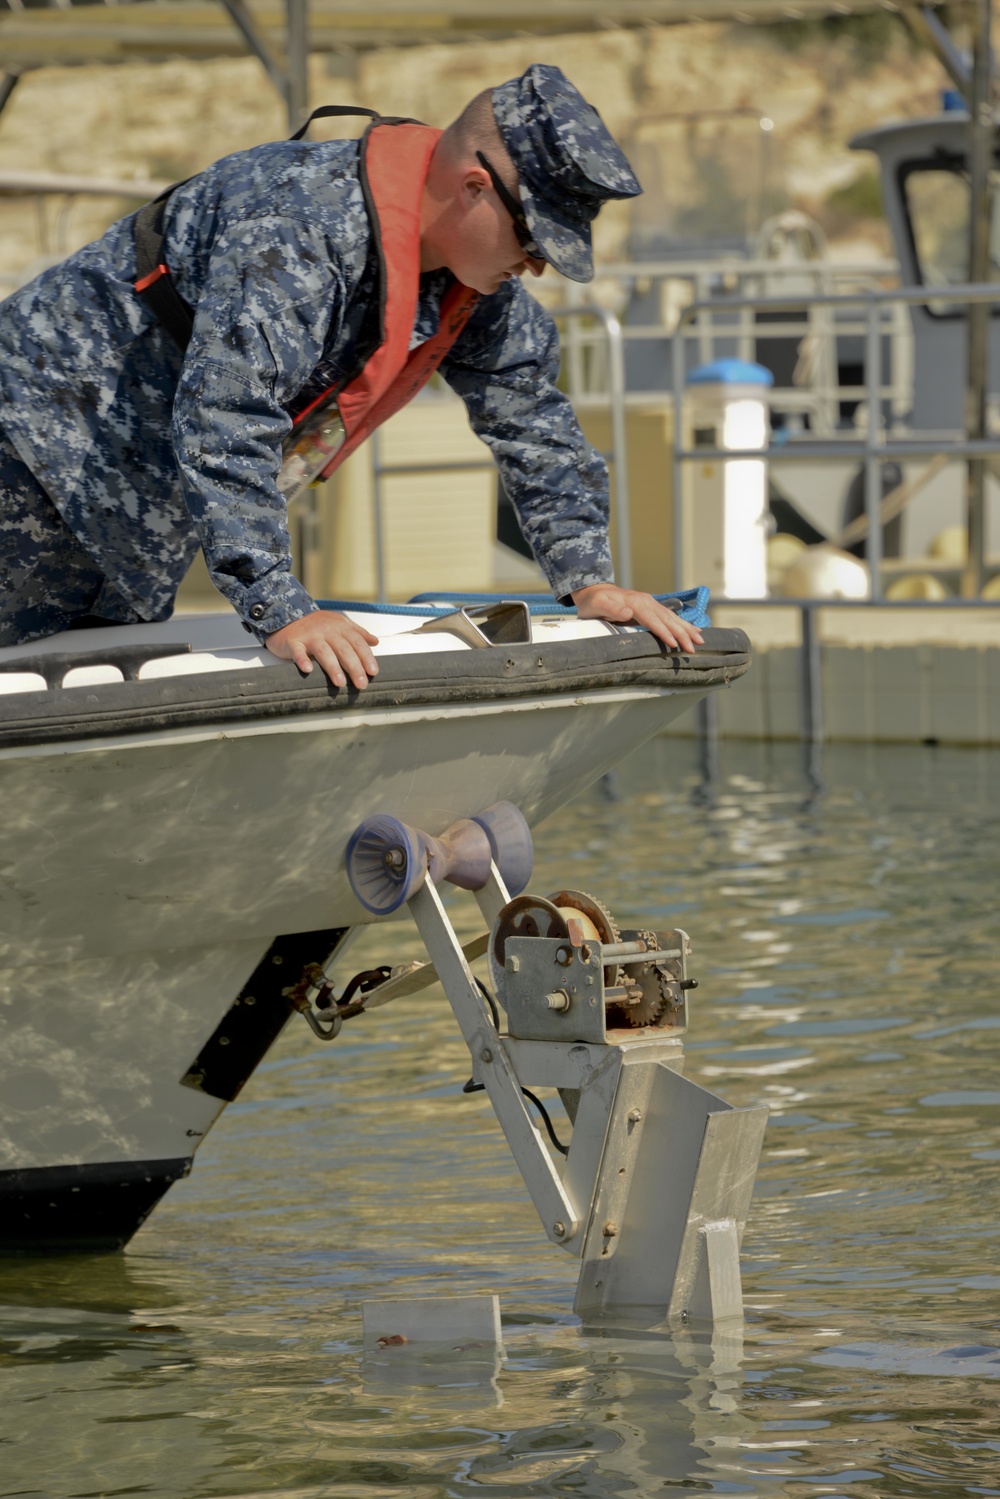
[{"x": 563, "y": 970}]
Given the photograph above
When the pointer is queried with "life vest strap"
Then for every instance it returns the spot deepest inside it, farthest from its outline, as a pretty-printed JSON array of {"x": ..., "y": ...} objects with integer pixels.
[
  {"x": 145, "y": 282},
  {"x": 153, "y": 282}
]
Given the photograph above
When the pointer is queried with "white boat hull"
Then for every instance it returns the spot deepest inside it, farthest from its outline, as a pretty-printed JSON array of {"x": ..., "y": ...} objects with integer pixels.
[
  {"x": 147, "y": 876},
  {"x": 185, "y": 838}
]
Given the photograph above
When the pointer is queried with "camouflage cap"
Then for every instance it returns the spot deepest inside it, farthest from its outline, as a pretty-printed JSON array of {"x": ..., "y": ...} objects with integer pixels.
[{"x": 567, "y": 162}]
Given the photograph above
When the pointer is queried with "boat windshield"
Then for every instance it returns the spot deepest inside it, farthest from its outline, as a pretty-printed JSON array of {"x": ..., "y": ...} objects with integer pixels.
[{"x": 936, "y": 195}]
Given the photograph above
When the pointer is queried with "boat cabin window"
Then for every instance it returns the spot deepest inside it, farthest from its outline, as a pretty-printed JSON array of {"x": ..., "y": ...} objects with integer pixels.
[{"x": 936, "y": 196}]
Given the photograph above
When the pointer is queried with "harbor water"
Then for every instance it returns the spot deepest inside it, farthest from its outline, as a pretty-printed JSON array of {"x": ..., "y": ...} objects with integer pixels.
[{"x": 846, "y": 938}]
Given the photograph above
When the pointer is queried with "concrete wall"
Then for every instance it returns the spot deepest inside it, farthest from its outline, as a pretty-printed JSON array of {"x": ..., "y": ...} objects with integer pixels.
[{"x": 887, "y": 675}]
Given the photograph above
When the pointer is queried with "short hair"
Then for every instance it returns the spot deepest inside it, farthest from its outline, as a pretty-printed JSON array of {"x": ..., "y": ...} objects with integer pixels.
[{"x": 476, "y": 129}]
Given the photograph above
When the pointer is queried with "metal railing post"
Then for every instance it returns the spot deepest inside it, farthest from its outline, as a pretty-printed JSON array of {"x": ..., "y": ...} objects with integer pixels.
[
  {"x": 298, "y": 61},
  {"x": 677, "y": 370},
  {"x": 812, "y": 681},
  {"x": 378, "y": 520},
  {"x": 705, "y": 332},
  {"x": 746, "y": 346},
  {"x": 619, "y": 435},
  {"x": 707, "y": 718},
  {"x": 619, "y": 447},
  {"x": 873, "y": 438},
  {"x": 981, "y": 132}
]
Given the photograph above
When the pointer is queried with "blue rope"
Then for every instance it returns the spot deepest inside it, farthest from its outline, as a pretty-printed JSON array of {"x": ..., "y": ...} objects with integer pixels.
[
  {"x": 693, "y": 602},
  {"x": 424, "y": 612}
]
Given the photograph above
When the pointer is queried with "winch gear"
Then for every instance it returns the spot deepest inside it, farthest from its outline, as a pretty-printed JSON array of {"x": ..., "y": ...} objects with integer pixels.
[
  {"x": 652, "y": 988},
  {"x": 524, "y": 916},
  {"x": 572, "y": 903},
  {"x": 648, "y": 983}
]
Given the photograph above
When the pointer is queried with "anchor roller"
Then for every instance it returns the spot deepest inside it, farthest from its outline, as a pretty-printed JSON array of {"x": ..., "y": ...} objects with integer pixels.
[{"x": 387, "y": 861}]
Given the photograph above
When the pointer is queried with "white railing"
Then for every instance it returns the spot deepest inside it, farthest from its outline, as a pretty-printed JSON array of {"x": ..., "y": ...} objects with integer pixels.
[
  {"x": 876, "y": 444},
  {"x": 727, "y": 293},
  {"x": 720, "y": 309}
]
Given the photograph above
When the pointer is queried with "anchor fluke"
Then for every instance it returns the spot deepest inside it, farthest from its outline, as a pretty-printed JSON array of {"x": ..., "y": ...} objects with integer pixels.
[{"x": 387, "y": 860}]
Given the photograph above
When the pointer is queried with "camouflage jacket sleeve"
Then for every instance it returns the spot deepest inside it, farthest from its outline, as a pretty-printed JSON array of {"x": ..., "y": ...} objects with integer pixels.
[
  {"x": 504, "y": 366},
  {"x": 273, "y": 285}
]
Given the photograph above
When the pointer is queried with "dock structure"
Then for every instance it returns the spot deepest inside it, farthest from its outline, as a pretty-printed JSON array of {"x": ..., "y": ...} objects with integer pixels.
[{"x": 828, "y": 671}]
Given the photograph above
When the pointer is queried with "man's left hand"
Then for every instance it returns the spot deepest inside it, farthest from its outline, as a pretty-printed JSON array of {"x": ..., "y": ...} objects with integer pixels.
[{"x": 628, "y": 606}]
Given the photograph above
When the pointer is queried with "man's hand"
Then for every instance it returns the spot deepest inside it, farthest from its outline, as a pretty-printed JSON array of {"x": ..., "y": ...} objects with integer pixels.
[
  {"x": 337, "y": 643},
  {"x": 629, "y": 606}
]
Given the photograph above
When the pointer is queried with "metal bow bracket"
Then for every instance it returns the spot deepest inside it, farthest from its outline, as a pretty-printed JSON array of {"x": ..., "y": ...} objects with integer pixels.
[{"x": 654, "y": 1190}]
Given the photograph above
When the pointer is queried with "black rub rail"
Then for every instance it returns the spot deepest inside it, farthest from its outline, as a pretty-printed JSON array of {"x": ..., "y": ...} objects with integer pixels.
[{"x": 502, "y": 673}]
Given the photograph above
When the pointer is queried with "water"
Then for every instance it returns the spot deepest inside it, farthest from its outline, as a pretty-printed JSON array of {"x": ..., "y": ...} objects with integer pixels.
[{"x": 846, "y": 941}]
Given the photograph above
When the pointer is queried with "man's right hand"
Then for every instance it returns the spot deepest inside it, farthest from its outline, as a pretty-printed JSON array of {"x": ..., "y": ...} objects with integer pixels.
[{"x": 336, "y": 642}]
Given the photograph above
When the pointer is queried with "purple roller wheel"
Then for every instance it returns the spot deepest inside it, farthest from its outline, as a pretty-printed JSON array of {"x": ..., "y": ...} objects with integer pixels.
[
  {"x": 386, "y": 864},
  {"x": 510, "y": 840}
]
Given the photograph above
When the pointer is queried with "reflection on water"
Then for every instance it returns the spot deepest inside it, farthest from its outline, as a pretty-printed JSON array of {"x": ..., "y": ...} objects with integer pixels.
[{"x": 846, "y": 943}]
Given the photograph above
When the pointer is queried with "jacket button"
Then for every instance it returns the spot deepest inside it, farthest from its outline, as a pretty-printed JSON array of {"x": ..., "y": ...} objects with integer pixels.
[{"x": 257, "y": 611}]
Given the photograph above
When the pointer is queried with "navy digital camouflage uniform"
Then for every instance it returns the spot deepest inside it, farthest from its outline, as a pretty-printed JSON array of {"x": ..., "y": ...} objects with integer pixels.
[{"x": 138, "y": 454}]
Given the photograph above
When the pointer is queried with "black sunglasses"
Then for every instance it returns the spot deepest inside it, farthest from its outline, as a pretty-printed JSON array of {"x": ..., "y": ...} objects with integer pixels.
[{"x": 514, "y": 208}]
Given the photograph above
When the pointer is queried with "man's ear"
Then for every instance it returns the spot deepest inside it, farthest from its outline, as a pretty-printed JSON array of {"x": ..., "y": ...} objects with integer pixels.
[{"x": 475, "y": 182}]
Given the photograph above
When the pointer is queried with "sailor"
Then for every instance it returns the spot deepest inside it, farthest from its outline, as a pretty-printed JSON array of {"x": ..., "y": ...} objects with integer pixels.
[{"x": 174, "y": 383}]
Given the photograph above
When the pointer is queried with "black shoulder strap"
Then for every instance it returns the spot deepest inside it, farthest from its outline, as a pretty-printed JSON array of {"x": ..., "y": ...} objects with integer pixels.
[
  {"x": 153, "y": 282},
  {"x": 329, "y": 111}
]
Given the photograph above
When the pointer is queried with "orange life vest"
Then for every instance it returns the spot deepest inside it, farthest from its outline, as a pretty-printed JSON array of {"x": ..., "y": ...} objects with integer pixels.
[{"x": 394, "y": 163}]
